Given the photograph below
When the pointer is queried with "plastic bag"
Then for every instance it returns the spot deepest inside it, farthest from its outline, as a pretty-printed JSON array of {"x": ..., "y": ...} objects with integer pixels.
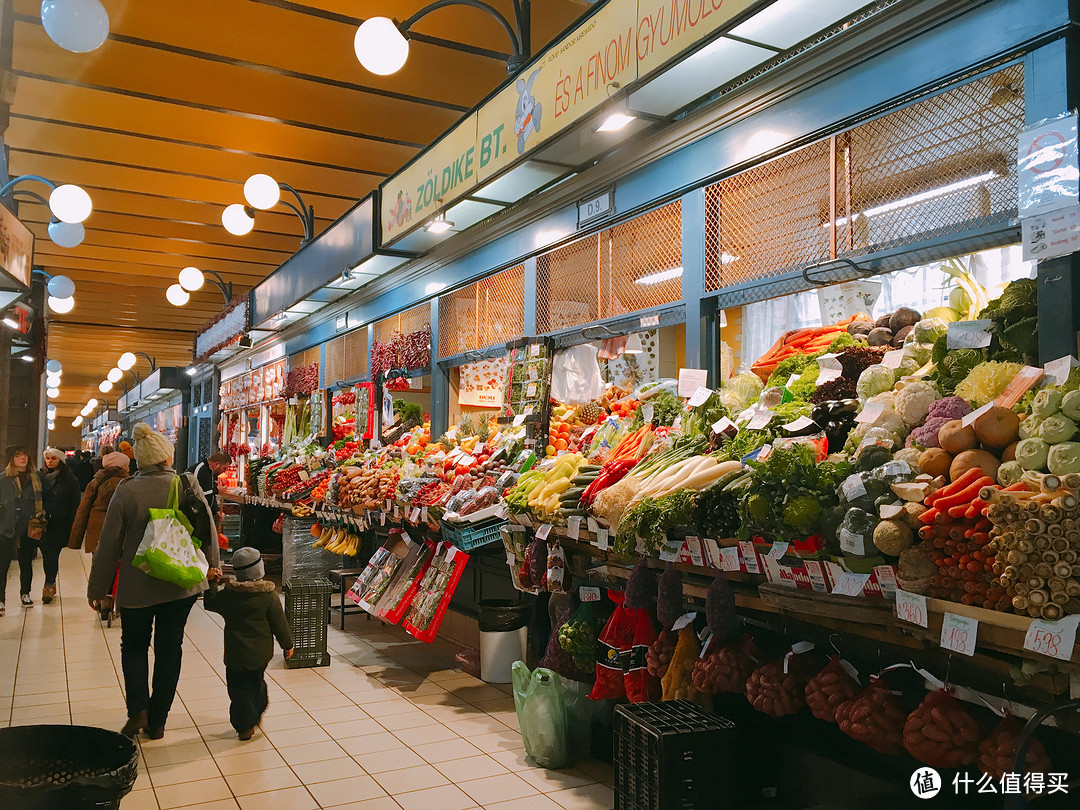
[
  {"x": 614, "y": 646},
  {"x": 641, "y": 686},
  {"x": 678, "y": 681},
  {"x": 541, "y": 713},
  {"x": 577, "y": 637},
  {"x": 559, "y": 660},
  {"x": 997, "y": 753},
  {"x": 941, "y": 732},
  {"x": 575, "y": 375}
]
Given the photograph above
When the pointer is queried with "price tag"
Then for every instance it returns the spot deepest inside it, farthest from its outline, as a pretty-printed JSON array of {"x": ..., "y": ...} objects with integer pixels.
[
  {"x": 647, "y": 411},
  {"x": 414, "y": 515},
  {"x": 871, "y": 412},
  {"x": 958, "y": 634},
  {"x": 534, "y": 350},
  {"x": 594, "y": 527},
  {"x": 1053, "y": 639},
  {"x": 543, "y": 532},
  {"x": 467, "y": 461},
  {"x": 389, "y": 504},
  {"x": 589, "y": 593},
  {"x": 911, "y": 607},
  {"x": 451, "y": 552},
  {"x": 699, "y": 397},
  {"x": 886, "y": 577},
  {"x": 649, "y": 321},
  {"x": 829, "y": 368},
  {"x": 725, "y": 425},
  {"x": 671, "y": 551},
  {"x": 683, "y": 621},
  {"x": 1024, "y": 379},
  {"x": 529, "y": 410},
  {"x": 1058, "y": 370},
  {"x": 729, "y": 558},
  {"x": 892, "y": 359},
  {"x": 749, "y": 557},
  {"x": 511, "y": 559},
  {"x": 791, "y": 381},
  {"x": 968, "y": 334},
  {"x": 817, "y": 576},
  {"x": 530, "y": 391},
  {"x": 853, "y": 487},
  {"x": 531, "y": 373},
  {"x": 760, "y": 420},
  {"x": 896, "y": 467},
  {"x": 423, "y": 514},
  {"x": 602, "y": 538},
  {"x": 397, "y": 511},
  {"x": 802, "y": 423},
  {"x": 502, "y": 512},
  {"x": 573, "y": 527},
  {"x": 694, "y": 549},
  {"x": 852, "y": 543},
  {"x": 969, "y": 419},
  {"x": 778, "y": 550},
  {"x": 519, "y": 420},
  {"x": 406, "y": 538},
  {"x": 690, "y": 380},
  {"x": 850, "y": 584},
  {"x": 382, "y": 518}
]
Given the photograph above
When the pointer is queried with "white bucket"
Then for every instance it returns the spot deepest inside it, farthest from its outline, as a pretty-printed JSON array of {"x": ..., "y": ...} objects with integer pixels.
[{"x": 499, "y": 651}]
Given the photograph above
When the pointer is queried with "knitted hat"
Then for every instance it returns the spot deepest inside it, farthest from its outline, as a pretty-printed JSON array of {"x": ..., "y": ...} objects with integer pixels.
[
  {"x": 59, "y": 455},
  {"x": 150, "y": 446},
  {"x": 126, "y": 448},
  {"x": 247, "y": 564},
  {"x": 115, "y": 459}
]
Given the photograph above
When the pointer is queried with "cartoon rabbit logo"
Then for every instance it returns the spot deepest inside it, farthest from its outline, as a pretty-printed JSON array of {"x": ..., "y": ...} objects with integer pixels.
[{"x": 527, "y": 118}]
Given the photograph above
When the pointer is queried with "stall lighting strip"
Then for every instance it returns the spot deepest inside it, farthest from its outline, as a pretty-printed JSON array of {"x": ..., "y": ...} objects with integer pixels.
[
  {"x": 660, "y": 276},
  {"x": 933, "y": 193}
]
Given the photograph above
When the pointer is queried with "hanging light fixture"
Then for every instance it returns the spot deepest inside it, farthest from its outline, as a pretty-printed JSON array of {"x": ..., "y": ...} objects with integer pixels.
[
  {"x": 236, "y": 220},
  {"x": 66, "y": 234},
  {"x": 439, "y": 225},
  {"x": 77, "y": 421},
  {"x": 191, "y": 278},
  {"x": 177, "y": 295},
  {"x": 633, "y": 344},
  {"x": 104, "y": 386},
  {"x": 79, "y": 26},
  {"x": 114, "y": 375},
  {"x": 262, "y": 191},
  {"x": 61, "y": 305},
  {"x": 54, "y": 367},
  {"x": 70, "y": 203},
  {"x": 61, "y": 287}
]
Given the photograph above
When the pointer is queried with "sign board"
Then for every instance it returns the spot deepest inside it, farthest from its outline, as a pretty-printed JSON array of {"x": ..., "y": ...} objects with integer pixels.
[
  {"x": 482, "y": 383},
  {"x": 16, "y": 248},
  {"x": 598, "y": 206},
  {"x": 1051, "y": 234},
  {"x": 1048, "y": 172},
  {"x": 840, "y": 301}
]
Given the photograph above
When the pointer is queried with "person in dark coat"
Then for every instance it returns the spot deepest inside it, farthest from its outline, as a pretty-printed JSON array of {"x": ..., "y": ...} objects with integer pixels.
[
  {"x": 61, "y": 502},
  {"x": 207, "y": 472},
  {"x": 253, "y": 618},
  {"x": 20, "y": 488},
  {"x": 83, "y": 469},
  {"x": 95, "y": 502}
]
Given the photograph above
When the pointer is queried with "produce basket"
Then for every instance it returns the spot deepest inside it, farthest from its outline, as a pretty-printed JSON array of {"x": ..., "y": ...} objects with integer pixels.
[
  {"x": 467, "y": 536},
  {"x": 74, "y": 767},
  {"x": 307, "y": 608},
  {"x": 670, "y": 756}
]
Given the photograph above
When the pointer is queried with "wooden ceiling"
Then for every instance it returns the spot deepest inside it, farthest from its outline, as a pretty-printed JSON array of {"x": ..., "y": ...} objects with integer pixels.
[{"x": 164, "y": 122}]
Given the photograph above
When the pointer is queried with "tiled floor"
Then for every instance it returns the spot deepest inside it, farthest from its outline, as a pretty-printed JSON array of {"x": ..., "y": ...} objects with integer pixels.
[{"x": 390, "y": 725}]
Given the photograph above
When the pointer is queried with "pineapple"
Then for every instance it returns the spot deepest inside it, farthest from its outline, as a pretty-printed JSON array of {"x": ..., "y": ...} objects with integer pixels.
[
  {"x": 588, "y": 413},
  {"x": 445, "y": 443},
  {"x": 483, "y": 431},
  {"x": 465, "y": 426}
]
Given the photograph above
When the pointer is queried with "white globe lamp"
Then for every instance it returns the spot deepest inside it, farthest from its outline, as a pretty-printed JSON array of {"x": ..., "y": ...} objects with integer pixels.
[
  {"x": 236, "y": 220},
  {"x": 53, "y": 393},
  {"x": 380, "y": 46},
  {"x": 104, "y": 386},
  {"x": 126, "y": 361},
  {"x": 66, "y": 234},
  {"x": 177, "y": 295},
  {"x": 262, "y": 191},
  {"x": 53, "y": 367},
  {"x": 61, "y": 305},
  {"x": 79, "y": 26},
  {"x": 191, "y": 278},
  {"x": 70, "y": 203},
  {"x": 114, "y": 375},
  {"x": 60, "y": 287}
]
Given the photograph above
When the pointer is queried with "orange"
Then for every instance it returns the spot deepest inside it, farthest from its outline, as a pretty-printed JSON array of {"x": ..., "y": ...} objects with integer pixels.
[
  {"x": 549, "y": 450},
  {"x": 560, "y": 444}
]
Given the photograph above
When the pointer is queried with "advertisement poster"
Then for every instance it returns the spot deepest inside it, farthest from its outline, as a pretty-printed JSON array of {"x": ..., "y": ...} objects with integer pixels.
[{"x": 481, "y": 384}]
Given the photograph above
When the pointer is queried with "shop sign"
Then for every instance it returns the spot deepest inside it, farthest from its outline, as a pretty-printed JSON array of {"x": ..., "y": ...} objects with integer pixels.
[
  {"x": 665, "y": 28},
  {"x": 16, "y": 247},
  {"x": 1047, "y": 167},
  {"x": 1051, "y": 234}
]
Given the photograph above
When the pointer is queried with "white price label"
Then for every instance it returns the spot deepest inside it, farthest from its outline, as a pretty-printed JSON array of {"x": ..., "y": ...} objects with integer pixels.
[
  {"x": 519, "y": 420},
  {"x": 593, "y": 525},
  {"x": 649, "y": 321},
  {"x": 1058, "y": 370},
  {"x": 502, "y": 512},
  {"x": 850, "y": 584},
  {"x": 852, "y": 543},
  {"x": 382, "y": 518},
  {"x": 573, "y": 527},
  {"x": 690, "y": 380},
  {"x": 802, "y": 423},
  {"x": 671, "y": 551},
  {"x": 589, "y": 593},
  {"x": 511, "y": 559},
  {"x": 853, "y": 487},
  {"x": 467, "y": 461},
  {"x": 749, "y": 557},
  {"x": 778, "y": 550},
  {"x": 389, "y": 504},
  {"x": 968, "y": 334},
  {"x": 970, "y": 419},
  {"x": 896, "y": 467},
  {"x": 699, "y": 396},
  {"x": 723, "y": 425},
  {"x": 423, "y": 514},
  {"x": 451, "y": 552},
  {"x": 911, "y": 607},
  {"x": 602, "y": 538},
  {"x": 683, "y": 621},
  {"x": 543, "y": 532},
  {"x": 871, "y": 412},
  {"x": 1053, "y": 639},
  {"x": 414, "y": 515},
  {"x": 694, "y": 549},
  {"x": 892, "y": 359},
  {"x": 886, "y": 577},
  {"x": 397, "y": 511},
  {"x": 532, "y": 375},
  {"x": 534, "y": 350},
  {"x": 729, "y": 558},
  {"x": 406, "y": 538},
  {"x": 455, "y": 454},
  {"x": 817, "y": 576},
  {"x": 829, "y": 368},
  {"x": 760, "y": 420},
  {"x": 958, "y": 634}
]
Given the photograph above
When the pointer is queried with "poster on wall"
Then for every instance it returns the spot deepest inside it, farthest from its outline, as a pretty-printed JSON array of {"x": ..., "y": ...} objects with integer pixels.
[{"x": 481, "y": 384}]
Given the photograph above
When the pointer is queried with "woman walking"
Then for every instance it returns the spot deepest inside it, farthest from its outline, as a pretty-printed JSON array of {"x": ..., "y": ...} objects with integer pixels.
[
  {"x": 95, "y": 501},
  {"x": 61, "y": 502},
  {"x": 20, "y": 500},
  {"x": 148, "y": 606}
]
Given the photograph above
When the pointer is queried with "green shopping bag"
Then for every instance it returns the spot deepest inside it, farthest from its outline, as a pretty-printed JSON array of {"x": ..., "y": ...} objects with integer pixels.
[
  {"x": 168, "y": 551},
  {"x": 541, "y": 712}
]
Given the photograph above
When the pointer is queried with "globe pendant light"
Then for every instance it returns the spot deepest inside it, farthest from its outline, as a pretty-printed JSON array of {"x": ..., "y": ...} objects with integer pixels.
[
  {"x": 66, "y": 234},
  {"x": 262, "y": 191},
  {"x": 61, "y": 287},
  {"x": 70, "y": 203},
  {"x": 79, "y": 26},
  {"x": 54, "y": 367},
  {"x": 126, "y": 361},
  {"x": 177, "y": 295},
  {"x": 61, "y": 305},
  {"x": 380, "y": 47},
  {"x": 191, "y": 278},
  {"x": 236, "y": 220},
  {"x": 114, "y": 375}
]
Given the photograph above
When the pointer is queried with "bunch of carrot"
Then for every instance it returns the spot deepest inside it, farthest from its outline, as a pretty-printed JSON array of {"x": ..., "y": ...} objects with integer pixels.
[
  {"x": 800, "y": 341},
  {"x": 633, "y": 445},
  {"x": 956, "y": 533}
]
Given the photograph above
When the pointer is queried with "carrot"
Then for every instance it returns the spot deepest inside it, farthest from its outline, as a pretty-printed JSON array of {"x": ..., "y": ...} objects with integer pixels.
[
  {"x": 962, "y": 497},
  {"x": 1019, "y": 486},
  {"x": 957, "y": 485},
  {"x": 929, "y": 516}
]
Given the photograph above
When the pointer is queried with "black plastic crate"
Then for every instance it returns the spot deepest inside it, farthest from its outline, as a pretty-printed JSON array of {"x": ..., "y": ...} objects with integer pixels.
[
  {"x": 672, "y": 756},
  {"x": 307, "y": 607}
]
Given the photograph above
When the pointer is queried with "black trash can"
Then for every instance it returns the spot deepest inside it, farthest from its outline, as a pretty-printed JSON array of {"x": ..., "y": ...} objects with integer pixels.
[
  {"x": 503, "y": 637},
  {"x": 70, "y": 767}
]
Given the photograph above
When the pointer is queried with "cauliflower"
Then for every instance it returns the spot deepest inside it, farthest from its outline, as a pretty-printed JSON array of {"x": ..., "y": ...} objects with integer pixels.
[
  {"x": 951, "y": 408},
  {"x": 913, "y": 402},
  {"x": 986, "y": 380},
  {"x": 910, "y": 455},
  {"x": 876, "y": 379},
  {"x": 927, "y": 435}
]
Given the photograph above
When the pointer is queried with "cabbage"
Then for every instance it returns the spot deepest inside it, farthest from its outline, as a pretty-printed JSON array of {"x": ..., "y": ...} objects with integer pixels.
[
  {"x": 1009, "y": 473},
  {"x": 1064, "y": 458},
  {"x": 1057, "y": 428},
  {"x": 1046, "y": 403},
  {"x": 928, "y": 330},
  {"x": 741, "y": 391},
  {"x": 1029, "y": 428},
  {"x": 921, "y": 353},
  {"x": 1031, "y": 454},
  {"x": 876, "y": 379}
]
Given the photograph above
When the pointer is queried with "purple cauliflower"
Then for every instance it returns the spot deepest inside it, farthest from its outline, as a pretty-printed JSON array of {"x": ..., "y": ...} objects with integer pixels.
[
  {"x": 950, "y": 408},
  {"x": 927, "y": 435}
]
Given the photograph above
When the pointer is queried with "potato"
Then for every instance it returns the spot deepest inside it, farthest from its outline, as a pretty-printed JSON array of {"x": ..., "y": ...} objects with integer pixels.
[
  {"x": 935, "y": 461},
  {"x": 955, "y": 438},
  {"x": 963, "y": 462},
  {"x": 997, "y": 428},
  {"x": 1009, "y": 453}
]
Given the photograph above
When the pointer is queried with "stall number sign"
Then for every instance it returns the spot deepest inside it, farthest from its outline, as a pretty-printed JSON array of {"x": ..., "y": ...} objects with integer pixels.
[{"x": 596, "y": 207}]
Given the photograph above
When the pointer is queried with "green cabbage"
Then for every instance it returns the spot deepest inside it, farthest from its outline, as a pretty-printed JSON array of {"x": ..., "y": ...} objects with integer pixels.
[
  {"x": 1031, "y": 454},
  {"x": 740, "y": 392},
  {"x": 928, "y": 330},
  {"x": 1046, "y": 403},
  {"x": 1057, "y": 428},
  {"x": 1064, "y": 458},
  {"x": 877, "y": 379}
]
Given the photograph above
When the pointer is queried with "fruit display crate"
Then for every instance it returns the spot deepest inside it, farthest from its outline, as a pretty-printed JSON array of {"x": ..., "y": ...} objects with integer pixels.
[
  {"x": 468, "y": 536},
  {"x": 671, "y": 755}
]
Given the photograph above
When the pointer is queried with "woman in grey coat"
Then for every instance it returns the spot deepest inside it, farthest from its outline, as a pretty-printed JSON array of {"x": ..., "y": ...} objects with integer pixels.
[
  {"x": 148, "y": 606},
  {"x": 20, "y": 492}
]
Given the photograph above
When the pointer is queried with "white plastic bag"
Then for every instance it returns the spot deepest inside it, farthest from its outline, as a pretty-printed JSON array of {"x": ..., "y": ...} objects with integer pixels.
[{"x": 575, "y": 376}]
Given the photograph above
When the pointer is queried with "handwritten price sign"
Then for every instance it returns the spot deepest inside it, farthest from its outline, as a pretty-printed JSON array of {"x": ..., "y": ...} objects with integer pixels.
[
  {"x": 911, "y": 607},
  {"x": 958, "y": 634},
  {"x": 1052, "y": 639}
]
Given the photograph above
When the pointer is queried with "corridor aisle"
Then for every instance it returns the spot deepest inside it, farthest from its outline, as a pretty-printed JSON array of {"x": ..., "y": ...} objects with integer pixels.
[{"x": 390, "y": 725}]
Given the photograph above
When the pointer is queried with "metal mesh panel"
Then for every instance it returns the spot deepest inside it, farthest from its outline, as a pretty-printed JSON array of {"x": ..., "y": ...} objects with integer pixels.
[
  {"x": 407, "y": 322},
  {"x": 356, "y": 354},
  {"x": 936, "y": 167},
  {"x": 206, "y": 437},
  {"x": 334, "y": 361},
  {"x": 483, "y": 314},
  {"x": 635, "y": 265}
]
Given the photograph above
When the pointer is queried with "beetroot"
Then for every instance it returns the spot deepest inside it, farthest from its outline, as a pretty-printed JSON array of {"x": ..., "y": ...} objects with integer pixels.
[
  {"x": 669, "y": 596},
  {"x": 536, "y": 556},
  {"x": 720, "y": 610},
  {"x": 641, "y": 588}
]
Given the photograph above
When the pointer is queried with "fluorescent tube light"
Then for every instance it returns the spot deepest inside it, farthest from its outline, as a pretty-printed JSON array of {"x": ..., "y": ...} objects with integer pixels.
[
  {"x": 933, "y": 193},
  {"x": 11, "y": 322},
  {"x": 660, "y": 276},
  {"x": 615, "y": 122}
]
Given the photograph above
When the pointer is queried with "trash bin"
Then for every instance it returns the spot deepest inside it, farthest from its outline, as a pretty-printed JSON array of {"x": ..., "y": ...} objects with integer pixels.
[
  {"x": 73, "y": 767},
  {"x": 503, "y": 637}
]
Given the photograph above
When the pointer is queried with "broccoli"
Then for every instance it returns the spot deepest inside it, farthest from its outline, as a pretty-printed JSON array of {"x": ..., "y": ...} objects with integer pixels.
[
  {"x": 802, "y": 513},
  {"x": 871, "y": 456}
]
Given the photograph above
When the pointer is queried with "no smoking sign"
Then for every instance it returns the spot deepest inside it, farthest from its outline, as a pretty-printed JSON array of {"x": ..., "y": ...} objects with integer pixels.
[{"x": 1048, "y": 170}]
